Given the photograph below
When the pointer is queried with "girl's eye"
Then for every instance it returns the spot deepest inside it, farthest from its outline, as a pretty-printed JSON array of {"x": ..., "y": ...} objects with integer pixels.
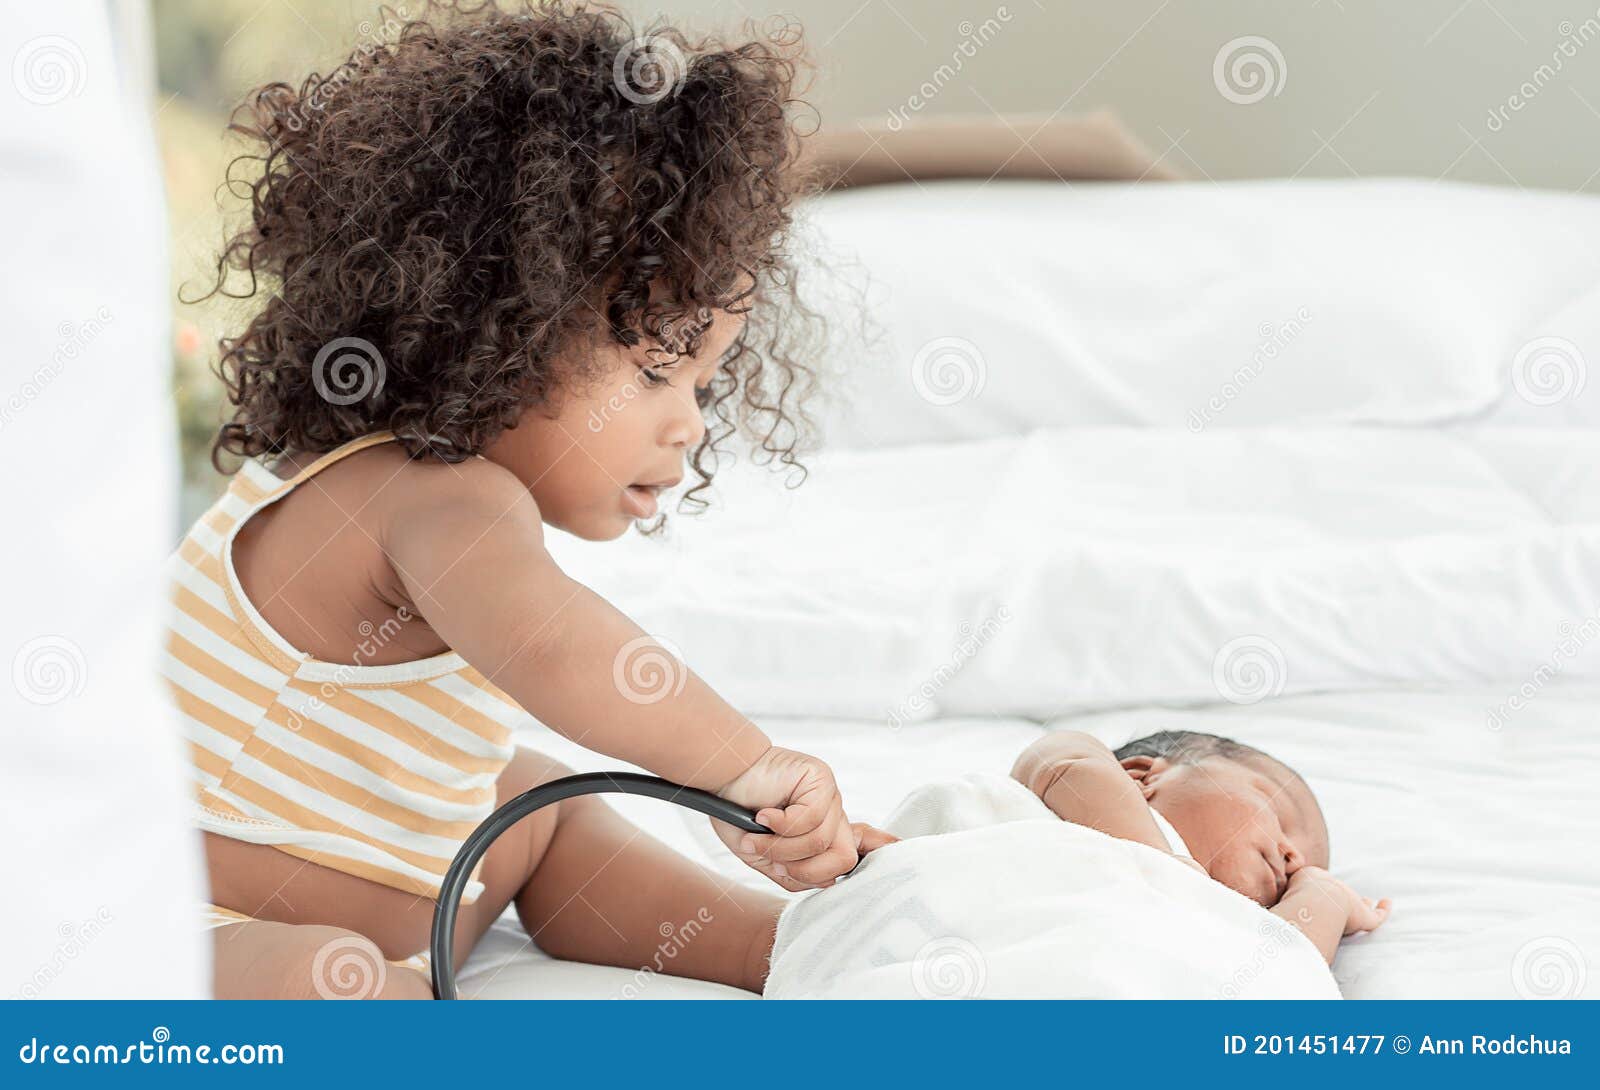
[
  {"x": 653, "y": 377},
  {"x": 704, "y": 396}
]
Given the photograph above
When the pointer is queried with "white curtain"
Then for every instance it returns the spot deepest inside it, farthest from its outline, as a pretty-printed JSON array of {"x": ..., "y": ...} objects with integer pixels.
[{"x": 102, "y": 874}]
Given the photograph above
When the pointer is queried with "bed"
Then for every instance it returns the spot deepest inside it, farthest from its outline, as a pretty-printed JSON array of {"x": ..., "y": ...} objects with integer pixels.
[{"x": 1312, "y": 465}]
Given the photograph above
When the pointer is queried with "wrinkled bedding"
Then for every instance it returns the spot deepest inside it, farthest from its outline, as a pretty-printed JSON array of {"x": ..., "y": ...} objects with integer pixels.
[
  {"x": 991, "y": 896},
  {"x": 1072, "y": 570},
  {"x": 1123, "y": 459}
]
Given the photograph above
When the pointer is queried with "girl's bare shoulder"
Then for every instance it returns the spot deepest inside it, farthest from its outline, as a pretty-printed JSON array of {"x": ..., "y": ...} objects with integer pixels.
[{"x": 407, "y": 491}]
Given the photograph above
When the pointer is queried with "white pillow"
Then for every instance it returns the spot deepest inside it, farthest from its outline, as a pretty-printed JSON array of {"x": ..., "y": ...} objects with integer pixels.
[{"x": 1001, "y": 307}]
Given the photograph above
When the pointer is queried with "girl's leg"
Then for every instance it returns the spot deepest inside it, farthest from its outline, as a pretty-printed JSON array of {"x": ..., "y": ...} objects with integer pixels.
[
  {"x": 260, "y": 959},
  {"x": 606, "y": 893},
  {"x": 588, "y": 886}
]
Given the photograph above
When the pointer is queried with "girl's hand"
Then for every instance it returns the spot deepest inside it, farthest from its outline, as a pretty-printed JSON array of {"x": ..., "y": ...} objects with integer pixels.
[{"x": 794, "y": 795}]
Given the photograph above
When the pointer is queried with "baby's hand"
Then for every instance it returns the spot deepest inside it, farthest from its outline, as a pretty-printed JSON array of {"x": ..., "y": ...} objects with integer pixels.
[
  {"x": 1361, "y": 913},
  {"x": 869, "y": 838},
  {"x": 1365, "y": 913},
  {"x": 795, "y": 796}
]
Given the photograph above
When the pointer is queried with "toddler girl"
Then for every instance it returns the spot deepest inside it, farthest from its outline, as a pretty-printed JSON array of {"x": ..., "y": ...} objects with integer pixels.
[{"x": 475, "y": 238}]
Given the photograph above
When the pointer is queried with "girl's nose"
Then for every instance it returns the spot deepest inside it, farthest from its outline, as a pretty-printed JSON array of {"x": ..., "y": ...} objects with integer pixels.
[{"x": 686, "y": 425}]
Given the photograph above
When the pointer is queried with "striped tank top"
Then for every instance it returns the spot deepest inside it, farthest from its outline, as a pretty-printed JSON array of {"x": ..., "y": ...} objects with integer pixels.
[{"x": 376, "y": 771}]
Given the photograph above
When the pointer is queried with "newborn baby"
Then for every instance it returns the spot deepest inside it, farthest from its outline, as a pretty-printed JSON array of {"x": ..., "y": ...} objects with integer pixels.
[
  {"x": 1231, "y": 811},
  {"x": 1183, "y": 865}
]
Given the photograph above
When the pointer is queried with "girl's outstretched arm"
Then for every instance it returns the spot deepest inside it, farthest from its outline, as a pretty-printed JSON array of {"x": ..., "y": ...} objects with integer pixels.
[{"x": 468, "y": 550}]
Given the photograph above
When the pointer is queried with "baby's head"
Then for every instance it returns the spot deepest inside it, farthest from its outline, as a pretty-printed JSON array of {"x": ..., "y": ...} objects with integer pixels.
[
  {"x": 1248, "y": 818},
  {"x": 544, "y": 236}
]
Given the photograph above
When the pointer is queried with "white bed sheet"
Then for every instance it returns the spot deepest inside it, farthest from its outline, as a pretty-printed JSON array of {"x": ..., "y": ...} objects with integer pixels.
[
  {"x": 1485, "y": 839},
  {"x": 1417, "y": 579}
]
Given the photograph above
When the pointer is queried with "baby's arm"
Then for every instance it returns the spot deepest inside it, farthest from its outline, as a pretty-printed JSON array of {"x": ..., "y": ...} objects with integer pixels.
[
  {"x": 1081, "y": 780},
  {"x": 1326, "y": 910},
  {"x": 467, "y": 547}
]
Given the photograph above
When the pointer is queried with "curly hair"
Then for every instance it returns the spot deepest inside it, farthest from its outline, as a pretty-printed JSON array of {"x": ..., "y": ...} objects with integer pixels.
[{"x": 473, "y": 199}]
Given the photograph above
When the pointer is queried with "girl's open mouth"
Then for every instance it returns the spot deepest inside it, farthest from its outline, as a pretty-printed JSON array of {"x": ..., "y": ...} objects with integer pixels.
[{"x": 640, "y": 500}]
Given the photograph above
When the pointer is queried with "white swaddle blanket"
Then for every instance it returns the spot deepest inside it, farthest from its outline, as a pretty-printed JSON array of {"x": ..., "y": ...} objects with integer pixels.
[{"x": 990, "y": 895}]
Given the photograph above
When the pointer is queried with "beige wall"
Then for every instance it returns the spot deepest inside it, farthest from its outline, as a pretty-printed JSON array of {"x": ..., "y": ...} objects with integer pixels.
[{"x": 1400, "y": 87}]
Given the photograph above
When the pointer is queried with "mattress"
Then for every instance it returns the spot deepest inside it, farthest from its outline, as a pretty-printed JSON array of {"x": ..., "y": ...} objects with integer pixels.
[{"x": 1484, "y": 838}]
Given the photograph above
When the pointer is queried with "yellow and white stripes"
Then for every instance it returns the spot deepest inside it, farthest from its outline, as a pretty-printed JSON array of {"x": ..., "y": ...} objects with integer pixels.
[{"x": 378, "y": 771}]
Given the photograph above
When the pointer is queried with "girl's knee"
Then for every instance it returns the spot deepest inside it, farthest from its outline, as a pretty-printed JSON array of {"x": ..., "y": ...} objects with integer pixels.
[{"x": 309, "y": 961}]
